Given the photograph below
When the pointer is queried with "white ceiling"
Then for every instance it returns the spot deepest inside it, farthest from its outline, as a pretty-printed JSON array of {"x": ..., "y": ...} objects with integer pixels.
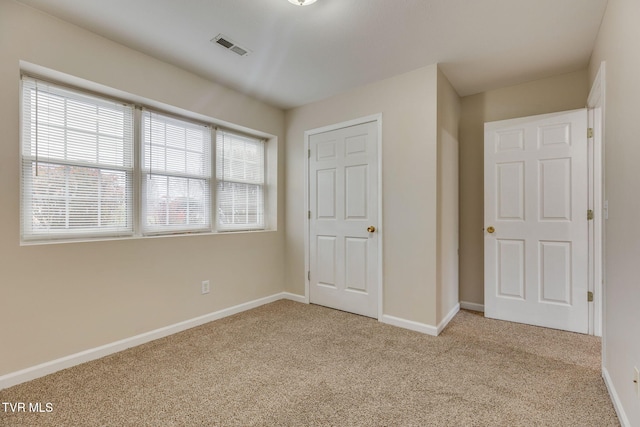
[{"x": 303, "y": 54}]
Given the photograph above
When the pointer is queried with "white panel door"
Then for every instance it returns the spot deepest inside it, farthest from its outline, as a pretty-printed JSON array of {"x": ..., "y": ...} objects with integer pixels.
[
  {"x": 343, "y": 193},
  {"x": 535, "y": 213}
]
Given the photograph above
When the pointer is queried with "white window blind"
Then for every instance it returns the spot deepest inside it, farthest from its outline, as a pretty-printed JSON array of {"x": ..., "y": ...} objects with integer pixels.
[
  {"x": 240, "y": 176},
  {"x": 176, "y": 174},
  {"x": 77, "y": 163}
]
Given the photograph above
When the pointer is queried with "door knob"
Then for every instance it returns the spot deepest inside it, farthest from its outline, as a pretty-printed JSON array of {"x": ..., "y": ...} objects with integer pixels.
[
  {"x": 491, "y": 230},
  {"x": 371, "y": 229}
]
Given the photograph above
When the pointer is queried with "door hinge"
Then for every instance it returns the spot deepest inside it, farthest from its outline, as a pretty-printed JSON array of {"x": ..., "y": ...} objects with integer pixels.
[
  {"x": 309, "y": 275},
  {"x": 309, "y": 214},
  {"x": 589, "y": 214},
  {"x": 590, "y": 296},
  {"x": 589, "y": 132},
  {"x": 308, "y": 153}
]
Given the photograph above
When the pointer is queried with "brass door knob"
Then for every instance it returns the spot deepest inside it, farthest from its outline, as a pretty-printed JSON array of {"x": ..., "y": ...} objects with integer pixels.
[
  {"x": 371, "y": 229},
  {"x": 491, "y": 230}
]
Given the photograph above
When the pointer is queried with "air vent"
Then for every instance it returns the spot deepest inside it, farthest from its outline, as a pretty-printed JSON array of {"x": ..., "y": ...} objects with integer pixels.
[
  {"x": 240, "y": 51},
  {"x": 224, "y": 42},
  {"x": 229, "y": 44}
]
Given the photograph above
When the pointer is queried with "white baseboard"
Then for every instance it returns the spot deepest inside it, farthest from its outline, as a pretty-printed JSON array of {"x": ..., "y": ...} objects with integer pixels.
[
  {"x": 409, "y": 324},
  {"x": 295, "y": 297},
  {"x": 622, "y": 416},
  {"x": 50, "y": 367},
  {"x": 471, "y": 306},
  {"x": 443, "y": 324},
  {"x": 418, "y": 326}
]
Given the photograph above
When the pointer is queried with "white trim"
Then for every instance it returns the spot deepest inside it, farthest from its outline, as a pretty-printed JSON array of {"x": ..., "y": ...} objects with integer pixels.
[
  {"x": 307, "y": 224},
  {"x": 596, "y": 105},
  {"x": 622, "y": 416},
  {"x": 471, "y": 306},
  {"x": 418, "y": 326},
  {"x": 409, "y": 324},
  {"x": 348, "y": 123},
  {"x": 52, "y": 366},
  {"x": 294, "y": 297},
  {"x": 444, "y": 322},
  {"x": 307, "y": 136},
  {"x": 46, "y": 368},
  {"x": 380, "y": 219}
]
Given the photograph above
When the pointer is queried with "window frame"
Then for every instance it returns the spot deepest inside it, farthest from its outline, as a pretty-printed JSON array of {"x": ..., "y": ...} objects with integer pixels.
[
  {"x": 263, "y": 185},
  {"x": 27, "y": 191},
  {"x": 136, "y": 175},
  {"x": 144, "y": 174}
]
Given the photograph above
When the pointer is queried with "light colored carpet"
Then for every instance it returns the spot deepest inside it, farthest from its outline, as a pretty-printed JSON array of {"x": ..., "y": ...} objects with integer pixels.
[{"x": 290, "y": 364}]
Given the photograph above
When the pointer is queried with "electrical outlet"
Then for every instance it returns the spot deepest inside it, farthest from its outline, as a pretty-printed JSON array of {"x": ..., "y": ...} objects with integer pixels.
[
  {"x": 205, "y": 287},
  {"x": 636, "y": 380}
]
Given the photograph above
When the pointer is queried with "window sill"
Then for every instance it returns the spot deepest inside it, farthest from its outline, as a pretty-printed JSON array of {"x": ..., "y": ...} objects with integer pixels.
[{"x": 141, "y": 237}]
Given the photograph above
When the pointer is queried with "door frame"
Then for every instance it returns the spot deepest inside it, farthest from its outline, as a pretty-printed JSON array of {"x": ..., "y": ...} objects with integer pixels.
[
  {"x": 597, "y": 201},
  {"x": 377, "y": 118}
]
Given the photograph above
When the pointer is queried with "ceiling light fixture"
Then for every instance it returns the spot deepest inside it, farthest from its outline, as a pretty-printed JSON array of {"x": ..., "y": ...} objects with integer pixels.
[{"x": 302, "y": 2}]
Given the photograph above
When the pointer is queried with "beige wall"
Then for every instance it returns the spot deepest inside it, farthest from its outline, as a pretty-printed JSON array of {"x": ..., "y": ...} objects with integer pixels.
[
  {"x": 409, "y": 173},
  {"x": 617, "y": 44},
  {"x": 559, "y": 93},
  {"x": 420, "y": 114},
  {"x": 449, "y": 109},
  {"x": 59, "y": 299}
]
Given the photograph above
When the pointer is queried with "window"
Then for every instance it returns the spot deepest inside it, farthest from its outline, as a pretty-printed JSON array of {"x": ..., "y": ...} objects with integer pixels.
[
  {"x": 96, "y": 167},
  {"x": 176, "y": 170},
  {"x": 240, "y": 181},
  {"x": 77, "y": 163}
]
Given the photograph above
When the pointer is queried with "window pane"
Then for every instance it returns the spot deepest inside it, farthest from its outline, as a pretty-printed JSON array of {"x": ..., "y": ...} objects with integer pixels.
[
  {"x": 239, "y": 158},
  {"x": 175, "y": 146},
  {"x": 175, "y": 203},
  {"x": 240, "y": 205},
  {"x": 176, "y": 158},
  {"x": 240, "y": 174},
  {"x": 113, "y": 199},
  {"x": 75, "y": 127},
  {"x": 72, "y": 198},
  {"x": 77, "y": 152}
]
